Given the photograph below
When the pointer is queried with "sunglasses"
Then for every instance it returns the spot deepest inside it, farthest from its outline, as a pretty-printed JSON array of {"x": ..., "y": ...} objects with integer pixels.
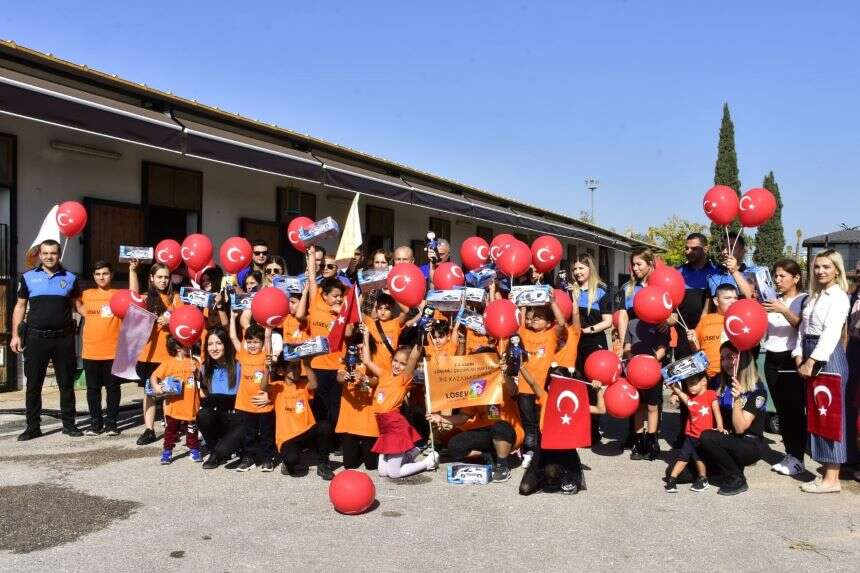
[
  {"x": 260, "y": 253},
  {"x": 329, "y": 266},
  {"x": 273, "y": 271}
]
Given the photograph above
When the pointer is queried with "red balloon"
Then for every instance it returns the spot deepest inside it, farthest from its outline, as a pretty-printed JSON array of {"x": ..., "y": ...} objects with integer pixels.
[
  {"x": 622, "y": 399},
  {"x": 670, "y": 279},
  {"x": 447, "y": 276},
  {"x": 122, "y": 299},
  {"x": 616, "y": 317},
  {"x": 293, "y": 232},
  {"x": 515, "y": 260},
  {"x": 757, "y": 206},
  {"x": 169, "y": 252},
  {"x": 502, "y": 318},
  {"x": 565, "y": 305},
  {"x": 653, "y": 304},
  {"x": 270, "y": 307},
  {"x": 500, "y": 243},
  {"x": 603, "y": 366},
  {"x": 352, "y": 492},
  {"x": 235, "y": 254},
  {"x": 643, "y": 371},
  {"x": 546, "y": 253},
  {"x": 745, "y": 323},
  {"x": 474, "y": 252},
  {"x": 71, "y": 218},
  {"x": 406, "y": 284},
  {"x": 196, "y": 251},
  {"x": 186, "y": 324},
  {"x": 721, "y": 204}
]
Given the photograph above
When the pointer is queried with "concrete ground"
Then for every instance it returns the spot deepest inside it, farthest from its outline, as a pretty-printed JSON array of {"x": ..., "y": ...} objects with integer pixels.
[{"x": 104, "y": 504}]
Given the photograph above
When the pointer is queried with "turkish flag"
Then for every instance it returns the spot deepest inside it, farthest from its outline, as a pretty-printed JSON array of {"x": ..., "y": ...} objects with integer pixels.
[
  {"x": 824, "y": 406},
  {"x": 348, "y": 315},
  {"x": 565, "y": 418}
]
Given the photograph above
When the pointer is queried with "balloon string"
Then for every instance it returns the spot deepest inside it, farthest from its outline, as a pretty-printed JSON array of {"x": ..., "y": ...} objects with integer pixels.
[
  {"x": 683, "y": 322},
  {"x": 63, "y": 250}
]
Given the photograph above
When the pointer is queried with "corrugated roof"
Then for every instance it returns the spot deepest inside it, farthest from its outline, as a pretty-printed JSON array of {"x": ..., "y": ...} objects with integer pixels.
[{"x": 76, "y": 72}]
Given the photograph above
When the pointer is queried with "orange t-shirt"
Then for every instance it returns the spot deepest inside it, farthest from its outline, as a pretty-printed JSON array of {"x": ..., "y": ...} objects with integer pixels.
[
  {"x": 101, "y": 327},
  {"x": 293, "y": 415},
  {"x": 295, "y": 331},
  {"x": 709, "y": 332},
  {"x": 184, "y": 406},
  {"x": 253, "y": 371},
  {"x": 391, "y": 329},
  {"x": 485, "y": 416},
  {"x": 447, "y": 349},
  {"x": 474, "y": 341},
  {"x": 541, "y": 347},
  {"x": 357, "y": 414},
  {"x": 566, "y": 355},
  {"x": 155, "y": 349},
  {"x": 390, "y": 392},
  {"x": 320, "y": 320}
]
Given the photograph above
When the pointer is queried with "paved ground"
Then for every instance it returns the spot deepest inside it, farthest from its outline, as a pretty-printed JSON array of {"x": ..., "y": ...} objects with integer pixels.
[{"x": 104, "y": 504}]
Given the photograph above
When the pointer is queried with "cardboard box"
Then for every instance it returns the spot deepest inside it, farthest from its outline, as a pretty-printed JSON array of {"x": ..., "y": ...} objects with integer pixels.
[
  {"x": 322, "y": 229},
  {"x": 677, "y": 371},
  {"x": 172, "y": 387},
  {"x": 476, "y": 295},
  {"x": 470, "y": 474},
  {"x": 197, "y": 297},
  {"x": 313, "y": 347},
  {"x": 530, "y": 295},
  {"x": 472, "y": 320},
  {"x": 370, "y": 280},
  {"x": 241, "y": 301},
  {"x": 760, "y": 278},
  {"x": 481, "y": 277},
  {"x": 290, "y": 285},
  {"x": 445, "y": 300},
  {"x": 142, "y": 254}
]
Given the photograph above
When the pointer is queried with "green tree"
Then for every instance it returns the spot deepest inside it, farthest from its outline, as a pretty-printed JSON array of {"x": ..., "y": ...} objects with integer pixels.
[
  {"x": 725, "y": 173},
  {"x": 770, "y": 238},
  {"x": 671, "y": 236}
]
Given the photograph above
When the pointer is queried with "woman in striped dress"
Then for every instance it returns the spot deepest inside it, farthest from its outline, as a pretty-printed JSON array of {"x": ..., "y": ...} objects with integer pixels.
[{"x": 819, "y": 349}]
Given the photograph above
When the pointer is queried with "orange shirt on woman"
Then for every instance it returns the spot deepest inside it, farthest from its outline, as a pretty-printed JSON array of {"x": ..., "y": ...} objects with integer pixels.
[
  {"x": 101, "y": 327},
  {"x": 292, "y": 404},
  {"x": 253, "y": 370},
  {"x": 185, "y": 405},
  {"x": 155, "y": 349}
]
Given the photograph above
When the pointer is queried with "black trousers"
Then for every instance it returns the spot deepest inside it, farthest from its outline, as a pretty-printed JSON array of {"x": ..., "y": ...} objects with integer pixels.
[
  {"x": 728, "y": 454},
  {"x": 530, "y": 418},
  {"x": 37, "y": 353},
  {"x": 319, "y": 438},
  {"x": 326, "y": 402},
  {"x": 481, "y": 440},
  {"x": 221, "y": 426},
  {"x": 258, "y": 439},
  {"x": 97, "y": 373},
  {"x": 357, "y": 450},
  {"x": 549, "y": 467},
  {"x": 587, "y": 346},
  {"x": 789, "y": 398}
]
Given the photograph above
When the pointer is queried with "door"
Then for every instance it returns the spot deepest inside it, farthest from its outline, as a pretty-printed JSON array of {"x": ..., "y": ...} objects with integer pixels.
[
  {"x": 103, "y": 237},
  {"x": 8, "y": 271}
]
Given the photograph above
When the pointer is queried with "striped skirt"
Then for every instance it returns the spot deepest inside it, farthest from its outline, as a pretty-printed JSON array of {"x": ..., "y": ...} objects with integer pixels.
[{"x": 821, "y": 449}]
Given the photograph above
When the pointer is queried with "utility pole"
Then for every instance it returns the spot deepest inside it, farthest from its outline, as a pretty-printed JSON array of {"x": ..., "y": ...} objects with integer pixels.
[{"x": 592, "y": 184}]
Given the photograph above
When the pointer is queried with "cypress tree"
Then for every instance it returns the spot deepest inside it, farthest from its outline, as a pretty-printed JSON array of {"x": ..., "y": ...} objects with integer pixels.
[
  {"x": 725, "y": 173},
  {"x": 770, "y": 238}
]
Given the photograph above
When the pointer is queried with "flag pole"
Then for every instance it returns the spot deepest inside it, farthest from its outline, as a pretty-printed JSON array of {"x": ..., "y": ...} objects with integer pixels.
[{"x": 427, "y": 400}]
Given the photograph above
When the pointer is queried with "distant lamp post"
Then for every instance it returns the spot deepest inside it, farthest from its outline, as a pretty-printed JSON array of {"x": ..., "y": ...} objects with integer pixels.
[{"x": 592, "y": 184}]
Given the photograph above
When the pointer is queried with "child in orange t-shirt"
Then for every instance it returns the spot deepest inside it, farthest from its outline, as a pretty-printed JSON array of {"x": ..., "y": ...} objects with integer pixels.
[
  {"x": 180, "y": 411},
  {"x": 708, "y": 333},
  {"x": 397, "y": 438},
  {"x": 385, "y": 329},
  {"x": 356, "y": 422},
  {"x": 258, "y": 419}
]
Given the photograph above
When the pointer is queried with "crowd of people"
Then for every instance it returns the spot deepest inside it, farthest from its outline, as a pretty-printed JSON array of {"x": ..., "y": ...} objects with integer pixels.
[{"x": 255, "y": 408}]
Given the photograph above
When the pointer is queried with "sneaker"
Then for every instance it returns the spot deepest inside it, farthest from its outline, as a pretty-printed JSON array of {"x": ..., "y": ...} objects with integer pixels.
[
  {"x": 93, "y": 431},
  {"x": 637, "y": 452},
  {"x": 30, "y": 434},
  {"x": 245, "y": 465},
  {"x": 286, "y": 470},
  {"x": 790, "y": 466},
  {"x": 72, "y": 431},
  {"x": 779, "y": 467},
  {"x": 818, "y": 486},
  {"x": 195, "y": 455},
  {"x": 211, "y": 462},
  {"x": 501, "y": 472},
  {"x": 431, "y": 462},
  {"x": 700, "y": 485},
  {"x": 671, "y": 485},
  {"x": 733, "y": 486},
  {"x": 147, "y": 437},
  {"x": 324, "y": 471},
  {"x": 527, "y": 460},
  {"x": 267, "y": 466},
  {"x": 111, "y": 431},
  {"x": 166, "y": 457},
  {"x": 569, "y": 486}
]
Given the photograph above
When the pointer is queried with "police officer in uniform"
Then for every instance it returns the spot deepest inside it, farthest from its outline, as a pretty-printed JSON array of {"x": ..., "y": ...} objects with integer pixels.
[{"x": 48, "y": 334}]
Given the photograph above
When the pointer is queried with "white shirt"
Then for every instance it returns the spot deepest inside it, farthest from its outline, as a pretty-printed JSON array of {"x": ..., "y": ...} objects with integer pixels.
[
  {"x": 781, "y": 336},
  {"x": 824, "y": 316}
]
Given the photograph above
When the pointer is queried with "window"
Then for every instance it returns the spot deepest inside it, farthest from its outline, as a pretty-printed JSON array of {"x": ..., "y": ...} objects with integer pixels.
[
  {"x": 442, "y": 228},
  {"x": 485, "y": 233},
  {"x": 379, "y": 223},
  {"x": 292, "y": 203},
  {"x": 173, "y": 202}
]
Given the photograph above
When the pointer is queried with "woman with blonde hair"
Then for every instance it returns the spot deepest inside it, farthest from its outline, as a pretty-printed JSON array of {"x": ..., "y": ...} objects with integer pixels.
[{"x": 819, "y": 349}]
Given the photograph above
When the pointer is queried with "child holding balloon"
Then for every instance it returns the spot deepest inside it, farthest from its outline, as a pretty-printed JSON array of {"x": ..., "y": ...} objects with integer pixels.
[{"x": 180, "y": 411}]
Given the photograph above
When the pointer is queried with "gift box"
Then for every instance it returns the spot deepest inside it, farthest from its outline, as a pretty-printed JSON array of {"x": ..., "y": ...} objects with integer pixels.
[
  {"x": 370, "y": 280},
  {"x": 322, "y": 229},
  {"x": 681, "y": 369},
  {"x": 241, "y": 301},
  {"x": 476, "y": 295},
  {"x": 290, "y": 285},
  {"x": 197, "y": 297},
  {"x": 481, "y": 277},
  {"x": 445, "y": 300},
  {"x": 470, "y": 474},
  {"x": 142, "y": 254},
  {"x": 171, "y": 386},
  {"x": 530, "y": 295},
  {"x": 313, "y": 347},
  {"x": 472, "y": 320},
  {"x": 760, "y": 278}
]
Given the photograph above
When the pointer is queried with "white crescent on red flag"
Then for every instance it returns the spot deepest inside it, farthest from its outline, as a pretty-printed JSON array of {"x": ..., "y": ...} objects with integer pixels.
[
  {"x": 824, "y": 406},
  {"x": 566, "y": 415},
  {"x": 349, "y": 314}
]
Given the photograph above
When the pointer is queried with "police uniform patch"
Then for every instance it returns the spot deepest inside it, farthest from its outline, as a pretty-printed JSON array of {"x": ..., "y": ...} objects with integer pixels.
[{"x": 63, "y": 283}]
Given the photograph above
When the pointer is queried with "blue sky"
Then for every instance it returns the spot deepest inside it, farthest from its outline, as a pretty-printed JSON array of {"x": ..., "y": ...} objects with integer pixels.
[{"x": 521, "y": 99}]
